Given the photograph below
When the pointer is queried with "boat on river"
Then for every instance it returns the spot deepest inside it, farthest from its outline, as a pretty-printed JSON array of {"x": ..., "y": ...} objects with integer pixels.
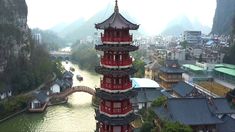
[
  {"x": 79, "y": 77},
  {"x": 72, "y": 69}
]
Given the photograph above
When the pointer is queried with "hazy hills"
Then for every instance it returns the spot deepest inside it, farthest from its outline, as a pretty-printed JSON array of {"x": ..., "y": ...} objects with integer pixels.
[
  {"x": 81, "y": 28},
  {"x": 178, "y": 25}
]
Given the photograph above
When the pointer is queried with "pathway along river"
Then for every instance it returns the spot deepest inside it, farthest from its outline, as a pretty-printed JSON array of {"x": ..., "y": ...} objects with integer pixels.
[{"x": 75, "y": 116}]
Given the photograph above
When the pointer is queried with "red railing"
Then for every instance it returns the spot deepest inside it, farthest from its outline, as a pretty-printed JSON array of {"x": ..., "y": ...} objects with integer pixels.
[
  {"x": 110, "y": 86},
  {"x": 116, "y": 39},
  {"x": 113, "y": 111},
  {"x": 109, "y": 62}
]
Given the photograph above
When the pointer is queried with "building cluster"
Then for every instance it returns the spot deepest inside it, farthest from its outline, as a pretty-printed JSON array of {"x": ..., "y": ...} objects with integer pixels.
[
  {"x": 41, "y": 97},
  {"x": 195, "y": 94}
]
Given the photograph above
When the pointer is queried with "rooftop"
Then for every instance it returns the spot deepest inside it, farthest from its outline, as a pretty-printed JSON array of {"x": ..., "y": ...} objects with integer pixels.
[
  {"x": 189, "y": 111},
  {"x": 193, "y": 67},
  {"x": 144, "y": 83},
  {"x": 228, "y": 71},
  {"x": 184, "y": 89},
  {"x": 116, "y": 21}
]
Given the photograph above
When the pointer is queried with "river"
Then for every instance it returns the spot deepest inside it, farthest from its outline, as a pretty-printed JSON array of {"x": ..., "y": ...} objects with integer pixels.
[{"x": 75, "y": 116}]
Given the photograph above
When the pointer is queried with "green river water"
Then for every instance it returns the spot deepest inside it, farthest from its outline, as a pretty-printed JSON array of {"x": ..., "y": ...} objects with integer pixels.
[{"x": 75, "y": 116}]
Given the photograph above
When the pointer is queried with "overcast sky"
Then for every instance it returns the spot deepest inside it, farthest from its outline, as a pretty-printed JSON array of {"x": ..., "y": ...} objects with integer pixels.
[{"x": 153, "y": 15}]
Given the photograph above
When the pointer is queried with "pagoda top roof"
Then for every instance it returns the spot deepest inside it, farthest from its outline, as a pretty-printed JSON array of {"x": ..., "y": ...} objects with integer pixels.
[{"x": 116, "y": 21}]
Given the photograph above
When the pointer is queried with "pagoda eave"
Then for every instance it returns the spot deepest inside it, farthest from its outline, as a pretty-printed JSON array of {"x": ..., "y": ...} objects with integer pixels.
[
  {"x": 123, "y": 48},
  {"x": 115, "y": 72},
  {"x": 115, "y": 96},
  {"x": 117, "y": 120}
]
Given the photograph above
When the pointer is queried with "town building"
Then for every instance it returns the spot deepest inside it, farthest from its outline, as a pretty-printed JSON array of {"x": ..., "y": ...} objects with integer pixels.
[
  {"x": 201, "y": 114},
  {"x": 148, "y": 90},
  {"x": 115, "y": 112},
  {"x": 225, "y": 72},
  {"x": 152, "y": 71},
  {"x": 178, "y": 54},
  {"x": 39, "y": 101},
  {"x": 184, "y": 89},
  {"x": 192, "y": 37},
  {"x": 5, "y": 91},
  {"x": 170, "y": 74}
]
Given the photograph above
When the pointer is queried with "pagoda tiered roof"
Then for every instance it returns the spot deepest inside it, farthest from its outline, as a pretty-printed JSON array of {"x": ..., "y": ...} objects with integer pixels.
[
  {"x": 171, "y": 66},
  {"x": 115, "y": 72},
  {"x": 122, "y": 48},
  {"x": 117, "y": 120},
  {"x": 115, "y": 96},
  {"x": 116, "y": 21}
]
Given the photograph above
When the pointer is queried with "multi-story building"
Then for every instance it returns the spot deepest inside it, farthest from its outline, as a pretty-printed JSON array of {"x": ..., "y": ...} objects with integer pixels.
[
  {"x": 192, "y": 37},
  {"x": 170, "y": 74},
  {"x": 115, "y": 111}
]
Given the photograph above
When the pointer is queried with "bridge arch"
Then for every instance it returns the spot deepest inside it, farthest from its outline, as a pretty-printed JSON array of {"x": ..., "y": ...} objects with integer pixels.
[{"x": 72, "y": 90}]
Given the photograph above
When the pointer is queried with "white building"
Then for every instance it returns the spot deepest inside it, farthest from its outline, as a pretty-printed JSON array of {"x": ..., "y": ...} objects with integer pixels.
[
  {"x": 55, "y": 88},
  {"x": 192, "y": 37},
  {"x": 147, "y": 89},
  {"x": 5, "y": 92}
]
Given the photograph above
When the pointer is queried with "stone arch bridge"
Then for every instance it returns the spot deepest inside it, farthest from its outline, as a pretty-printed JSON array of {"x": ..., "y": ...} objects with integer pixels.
[
  {"x": 62, "y": 55},
  {"x": 69, "y": 91}
]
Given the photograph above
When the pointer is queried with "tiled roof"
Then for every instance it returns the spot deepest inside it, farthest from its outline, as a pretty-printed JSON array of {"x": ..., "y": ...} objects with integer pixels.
[
  {"x": 147, "y": 95},
  {"x": 41, "y": 96},
  {"x": 220, "y": 106},
  {"x": 171, "y": 70},
  {"x": 68, "y": 74},
  {"x": 189, "y": 111},
  {"x": 228, "y": 125},
  {"x": 184, "y": 89},
  {"x": 116, "y": 21}
]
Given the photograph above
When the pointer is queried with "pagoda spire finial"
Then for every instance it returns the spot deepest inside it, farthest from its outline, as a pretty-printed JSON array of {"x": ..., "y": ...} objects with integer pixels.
[{"x": 116, "y": 6}]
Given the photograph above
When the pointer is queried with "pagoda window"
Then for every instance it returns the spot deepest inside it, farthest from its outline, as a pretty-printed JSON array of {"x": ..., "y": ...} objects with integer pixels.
[
  {"x": 117, "y": 129},
  {"x": 120, "y": 81},
  {"x": 117, "y": 105},
  {"x": 108, "y": 104},
  {"x": 107, "y": 80}
]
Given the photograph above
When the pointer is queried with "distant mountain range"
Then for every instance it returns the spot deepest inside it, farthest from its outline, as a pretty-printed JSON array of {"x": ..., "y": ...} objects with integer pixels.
[
  {"x": 81, "y": 28},
  {"x": 178, "y": 25}
]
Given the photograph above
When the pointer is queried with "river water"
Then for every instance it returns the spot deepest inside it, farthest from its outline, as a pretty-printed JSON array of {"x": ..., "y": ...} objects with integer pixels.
[{"x": 75, "y": 116}]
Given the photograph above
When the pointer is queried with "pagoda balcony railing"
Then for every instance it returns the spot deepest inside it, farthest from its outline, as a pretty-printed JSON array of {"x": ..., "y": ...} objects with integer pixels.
[
  {"x": 110, "y": 86},
  {"x": 115, "y": 111},
  {"x": 116, "y": 39},
  {"x": 125, "y": 62}
]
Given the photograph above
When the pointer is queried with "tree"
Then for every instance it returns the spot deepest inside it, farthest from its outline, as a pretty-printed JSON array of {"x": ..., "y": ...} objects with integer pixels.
[
  {"x": 139, "y": 66},
  {"x": 146, "y": 127},
  {"x": 159, "y": 101},
  {"x": 184, "y": 44},
  {"x": 200, "y": 58},
  {"x": 175, "y": 127}
]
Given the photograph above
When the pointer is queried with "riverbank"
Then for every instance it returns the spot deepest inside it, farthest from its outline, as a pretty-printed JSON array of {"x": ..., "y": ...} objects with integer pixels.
[
  {"x": 18, "y": 104},
  {"x": 77, "y": 114}
]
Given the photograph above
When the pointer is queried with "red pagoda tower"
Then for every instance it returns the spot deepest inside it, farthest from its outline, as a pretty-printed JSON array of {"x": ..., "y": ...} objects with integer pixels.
[{"x": 115, "y": 111}]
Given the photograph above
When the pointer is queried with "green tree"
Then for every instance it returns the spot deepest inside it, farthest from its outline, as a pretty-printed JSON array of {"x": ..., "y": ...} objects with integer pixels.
[
  {"x": 85, "y": 56},
  {"x": 147, "y": 127},
  {"x": 159, "y": 101},
  {"x": 139, "y": 66},
  {"x": 175, "y": 127},
  {"x": 184, "y": 44}
]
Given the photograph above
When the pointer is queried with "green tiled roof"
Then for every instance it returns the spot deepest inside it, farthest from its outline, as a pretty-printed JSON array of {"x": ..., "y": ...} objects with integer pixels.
[
  {"x": 226, "y": 66},
  {"x": 226, "y": 71},
  {"x": 193, "y": 67}
]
